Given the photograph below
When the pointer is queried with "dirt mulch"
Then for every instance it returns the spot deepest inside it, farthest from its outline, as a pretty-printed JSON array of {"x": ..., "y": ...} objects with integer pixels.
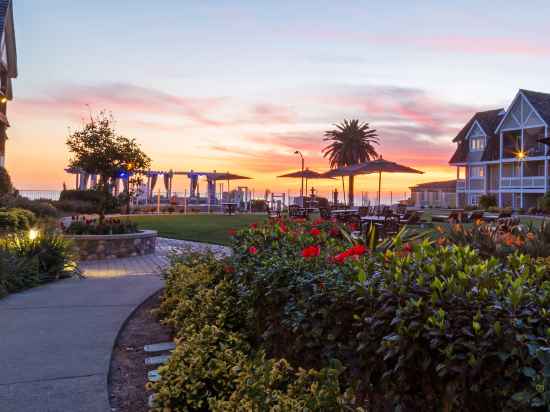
[{"x": 128, "y": 374}]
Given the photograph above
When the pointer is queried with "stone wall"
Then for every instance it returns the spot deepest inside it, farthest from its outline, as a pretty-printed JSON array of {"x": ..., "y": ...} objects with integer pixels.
[{"x": 100, "y": 247}]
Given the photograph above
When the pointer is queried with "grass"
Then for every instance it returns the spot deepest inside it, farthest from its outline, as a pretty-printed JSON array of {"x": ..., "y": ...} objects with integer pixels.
[{"x": 198, "y": 228}]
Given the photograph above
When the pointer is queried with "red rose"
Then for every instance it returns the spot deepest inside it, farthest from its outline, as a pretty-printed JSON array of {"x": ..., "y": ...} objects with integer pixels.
[
  {"x": 254, "y": 226},
  {"x": 229, "y": 269},
  {"x": 359, "y": 249},
  {"x": 352, "y": 226},
  {"x": 282, "y": 227},
  {"x": 341, "y": 257},
  {"x": 253, "y": 250},
  {"x": 407, "y": 248},
  {"x": 334, "y": 232},
  {"x": 311, "y": 251},
  {"x": 314, "y": 232},
  {"x": 232, "y": 232},
  {"x": 318, "y": 221}
]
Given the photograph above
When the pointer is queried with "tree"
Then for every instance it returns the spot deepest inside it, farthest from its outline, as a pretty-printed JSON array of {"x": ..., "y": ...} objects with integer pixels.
[
  {"x": 98, "y": 149},
  {"x": 6, "y": 187},
  {"x": 351, "y": 143}
]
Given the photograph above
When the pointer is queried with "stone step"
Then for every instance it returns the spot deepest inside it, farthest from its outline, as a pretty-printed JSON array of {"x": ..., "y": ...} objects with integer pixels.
[
  {"x": 157, "y": 360},
  {"x": 160, "y": 347},
  {"x": 153, "y": 376}
]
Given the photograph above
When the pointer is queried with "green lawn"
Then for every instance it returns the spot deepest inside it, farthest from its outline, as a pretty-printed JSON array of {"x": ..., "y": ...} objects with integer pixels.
[{"x": 200, "y": 228}]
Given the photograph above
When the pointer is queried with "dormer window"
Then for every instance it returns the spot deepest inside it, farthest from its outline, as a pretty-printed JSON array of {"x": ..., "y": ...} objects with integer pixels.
[
  {"x": 477, "y": 143},
  {"x": 476, "y": 137}
]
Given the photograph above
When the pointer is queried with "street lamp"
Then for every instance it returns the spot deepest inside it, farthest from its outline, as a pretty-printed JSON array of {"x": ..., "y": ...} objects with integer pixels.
[{"x": 302, "y": 187}]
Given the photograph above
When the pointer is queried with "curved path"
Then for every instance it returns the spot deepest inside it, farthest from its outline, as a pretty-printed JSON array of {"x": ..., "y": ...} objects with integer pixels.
[{"x": 56, "y": 340}]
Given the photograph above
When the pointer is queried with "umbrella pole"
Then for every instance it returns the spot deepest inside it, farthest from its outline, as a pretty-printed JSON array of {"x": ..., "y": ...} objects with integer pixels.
[
  {"x": 344, "y": 189},
  {"x": 306, "y": 193},
  {"x": 379, "y": 187}
]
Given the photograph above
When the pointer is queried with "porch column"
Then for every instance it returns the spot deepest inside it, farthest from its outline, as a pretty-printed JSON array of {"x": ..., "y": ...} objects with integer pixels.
[
  {"x": 521, "y": 171},
  {"x": 500, "y": 172},
  {"x": 545, "y": 161}
]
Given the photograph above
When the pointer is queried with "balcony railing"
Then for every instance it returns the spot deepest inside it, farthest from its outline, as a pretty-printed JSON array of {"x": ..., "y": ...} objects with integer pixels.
[
  {"x": 461, "y": 185},
  {"x": 527, "y": 182}
]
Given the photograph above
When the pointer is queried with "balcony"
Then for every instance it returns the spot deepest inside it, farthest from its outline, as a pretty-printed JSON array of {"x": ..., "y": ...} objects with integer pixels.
[
  {"x": 527, "y": 182},
  {"x": 460, "y": 185}
]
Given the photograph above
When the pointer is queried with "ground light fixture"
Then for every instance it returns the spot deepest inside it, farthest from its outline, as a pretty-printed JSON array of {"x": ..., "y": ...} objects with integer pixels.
[
  {"x": 33, "y": 234},
  {"x": 520, "y": 154},
  {"x": 3, "y": 100}
]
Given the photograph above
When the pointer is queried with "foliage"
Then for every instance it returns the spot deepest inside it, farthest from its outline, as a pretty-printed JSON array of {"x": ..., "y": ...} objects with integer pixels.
[
  {"x": 544, "y": 203},
  {"x": 15, "y": 220},
  {"x": 41, "y": 208},
  {"x": 26, "y": 262},
  {"x": 98, "y": 149},
  {"x": 110, "y": 226},
  {"x": 350, "y": 143},
  {"x": 488, "y": 200},
  {"x": 214, "y": 367},
  {"x": 87, "y": 201},
  {"x": 6, "y": 187},
  {"x": 420, "y": 325}
]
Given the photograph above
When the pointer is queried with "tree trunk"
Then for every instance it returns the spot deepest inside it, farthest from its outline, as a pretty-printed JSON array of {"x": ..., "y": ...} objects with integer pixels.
[{"x": 350, "y": 190}]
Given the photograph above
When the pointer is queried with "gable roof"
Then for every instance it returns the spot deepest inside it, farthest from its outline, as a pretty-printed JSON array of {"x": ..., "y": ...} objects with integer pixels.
[
  {"x": 540, "y": 102},
  {"x": 488, "y": 120}
]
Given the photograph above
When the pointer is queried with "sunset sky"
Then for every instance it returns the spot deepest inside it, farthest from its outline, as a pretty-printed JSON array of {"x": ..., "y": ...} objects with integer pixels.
[{"x": 240, "y": 85}]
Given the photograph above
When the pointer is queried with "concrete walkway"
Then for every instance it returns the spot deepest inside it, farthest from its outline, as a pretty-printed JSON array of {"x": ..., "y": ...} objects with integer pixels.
[{"x": 56, "y": 340}]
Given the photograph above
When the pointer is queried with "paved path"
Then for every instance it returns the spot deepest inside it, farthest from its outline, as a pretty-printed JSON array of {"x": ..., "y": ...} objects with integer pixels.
[{"x": 56, "y": 340}]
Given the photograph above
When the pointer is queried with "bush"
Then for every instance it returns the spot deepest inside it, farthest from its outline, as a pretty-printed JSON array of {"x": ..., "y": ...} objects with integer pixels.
[
  {"x": 15, "y": 220},
  {"x": 41, "y": 208},
  {"x": 90, "y": 197},
  {"x": 214, "y": 367},
  {"x": 544, "y": 203},
  {"x": 487, "y": 201},
  {"x": 26, "y": 262},
  {"x": 6, "y": 187},
  {"x": 76, "y": 206}
]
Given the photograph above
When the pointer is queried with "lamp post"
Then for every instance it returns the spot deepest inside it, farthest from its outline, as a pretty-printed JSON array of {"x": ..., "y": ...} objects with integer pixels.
[{"x": 302, "y": 187}]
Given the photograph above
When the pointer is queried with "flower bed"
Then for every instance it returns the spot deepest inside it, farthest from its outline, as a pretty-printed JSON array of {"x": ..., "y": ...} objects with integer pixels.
[{"x": 416, "y": 325}]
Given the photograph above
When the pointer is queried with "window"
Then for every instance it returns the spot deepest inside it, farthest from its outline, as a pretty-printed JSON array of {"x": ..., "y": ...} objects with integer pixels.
[
  {"x": 477, "y": 171},
  {"x": 477, "y": 144}
]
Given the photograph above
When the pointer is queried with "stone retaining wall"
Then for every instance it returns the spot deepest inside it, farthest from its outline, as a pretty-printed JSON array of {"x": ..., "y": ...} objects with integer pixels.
[{"x": 100, "y": 247}]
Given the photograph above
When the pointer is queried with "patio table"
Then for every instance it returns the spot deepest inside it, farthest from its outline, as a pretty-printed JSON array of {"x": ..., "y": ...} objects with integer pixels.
[{"x": 229, "y": 207}]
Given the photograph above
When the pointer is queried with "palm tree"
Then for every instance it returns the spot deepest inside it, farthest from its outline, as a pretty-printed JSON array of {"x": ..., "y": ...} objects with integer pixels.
[{"x": 351, "y": 143}]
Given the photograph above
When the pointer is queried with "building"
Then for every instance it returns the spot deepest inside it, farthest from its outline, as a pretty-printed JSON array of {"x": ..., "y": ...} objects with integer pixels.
[
  {"x": 434, "y": 194},
  {"x": 501, "y": 152},
  {"x": 8, "y": 69}
]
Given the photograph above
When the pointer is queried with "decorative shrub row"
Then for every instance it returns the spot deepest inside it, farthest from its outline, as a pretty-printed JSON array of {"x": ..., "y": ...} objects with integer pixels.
[
  {"x": 214, "y": 366},
  {"x": 111, "y": 226},
  {"x": 25, "y": 263}
]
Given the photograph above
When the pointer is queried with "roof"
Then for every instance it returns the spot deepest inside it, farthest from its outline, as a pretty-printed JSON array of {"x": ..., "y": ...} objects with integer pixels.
[
  {"x": 488, "y": 120},
  {"x": 4, "y": 7},
  {"x": 540, "y": 101},
  {"x": 446, "y": 185}
]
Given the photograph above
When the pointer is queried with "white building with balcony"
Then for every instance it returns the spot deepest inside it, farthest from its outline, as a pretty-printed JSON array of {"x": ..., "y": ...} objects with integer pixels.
[{"x": 500, "y": 152}]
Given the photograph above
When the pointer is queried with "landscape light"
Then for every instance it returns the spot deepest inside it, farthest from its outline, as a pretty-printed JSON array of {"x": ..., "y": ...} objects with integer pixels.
[
  {"x": 520, "y": 154},
  {"x": 4, "y": 100},
  {"x": 33, "y": 234}
]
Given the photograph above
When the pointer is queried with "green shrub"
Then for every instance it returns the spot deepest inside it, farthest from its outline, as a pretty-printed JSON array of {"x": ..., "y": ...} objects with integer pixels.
[
  {"x": 93, "y": 197},
  {"x": 41, "y": 208},
  {"x": 111, "y": 226},
  {"x": 6, "y": 187},
  {"x": 487, "y": 201},
  {"x": 76, "y": 206},
  {"x": 15, "y": 220},
  {"x": 544, "y": 203},
  {"x": 25, "y": 262}
]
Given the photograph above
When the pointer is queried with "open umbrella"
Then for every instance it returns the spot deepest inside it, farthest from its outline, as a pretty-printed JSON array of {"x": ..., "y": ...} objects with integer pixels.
[
  {"x": 374, "y": 166},
  {"x": 306, "y": 174}
]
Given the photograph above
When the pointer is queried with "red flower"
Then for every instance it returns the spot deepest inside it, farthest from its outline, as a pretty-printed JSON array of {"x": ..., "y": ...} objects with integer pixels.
[
  {"x": 229, "y": 269},
  {"x": 355, "y": 251},
  {"x": 314, "y": 232},
  {"x": 232, "y": 232},
  {"x": 334, "y": 232},
  {"x": 341, "y": 258},
  {"x": 352, "y": 226},
  {"x": 253, "y": 250},
  {"x": 254, "y": 226},
  {"x": 407, "y": 248},
  {"x": 318, "y": 221},
  {"x": 311, "y": 251},
  {"x": 282, "y": 227},
  {"x": 358, "y": 250}
]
